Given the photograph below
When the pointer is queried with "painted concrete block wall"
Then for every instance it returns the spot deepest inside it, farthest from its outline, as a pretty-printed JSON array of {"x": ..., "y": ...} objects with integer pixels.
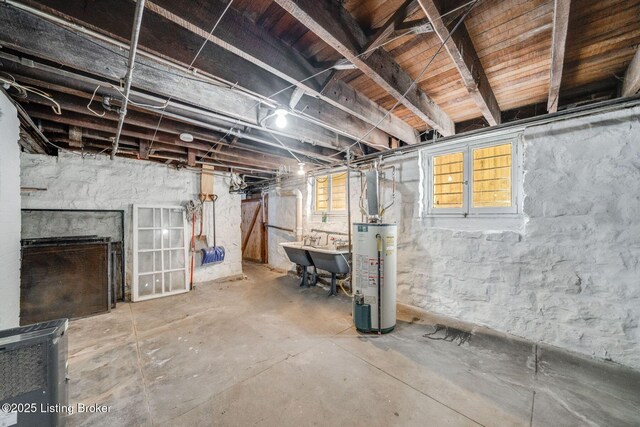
[
  {"x": 73, "y": 182},
  {"x": 9, "y": 215},
  {"x": 569, "y": 273}
]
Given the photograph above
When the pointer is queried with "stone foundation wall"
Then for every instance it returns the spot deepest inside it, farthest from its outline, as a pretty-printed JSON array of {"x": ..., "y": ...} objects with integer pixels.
[{"x": 567, "y": 272}]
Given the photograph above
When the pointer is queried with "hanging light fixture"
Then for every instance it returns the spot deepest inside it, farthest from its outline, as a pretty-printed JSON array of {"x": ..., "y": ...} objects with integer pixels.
[
  {"x": 301, "y": 168},
  {"x": 281, "y": 117}
]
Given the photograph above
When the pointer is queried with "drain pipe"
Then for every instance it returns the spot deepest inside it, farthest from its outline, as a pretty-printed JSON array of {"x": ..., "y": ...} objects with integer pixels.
[
  {"x": 298, "y": 194},
  {"x": 135, "y": 32}
]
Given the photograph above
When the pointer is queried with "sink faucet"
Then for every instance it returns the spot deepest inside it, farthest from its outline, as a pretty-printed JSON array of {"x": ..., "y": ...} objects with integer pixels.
[
  {"x": 338, "y": 242},
  {"x": 309, "y": 240}
]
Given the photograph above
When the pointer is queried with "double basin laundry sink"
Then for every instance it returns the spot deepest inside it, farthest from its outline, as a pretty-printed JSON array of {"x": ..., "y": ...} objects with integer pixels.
[{"x": 328, "y": 258}]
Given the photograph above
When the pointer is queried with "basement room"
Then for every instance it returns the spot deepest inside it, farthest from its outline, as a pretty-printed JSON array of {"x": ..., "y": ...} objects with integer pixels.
[{"x": 320, "y": 212}]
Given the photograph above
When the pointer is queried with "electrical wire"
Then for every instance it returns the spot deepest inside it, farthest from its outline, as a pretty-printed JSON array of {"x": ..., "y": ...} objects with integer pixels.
[
  {"x": 155, "y": 132},
  {"x": 414, "y": 81},
  {"x": 91, "y": 100},
  {"x": 283, "y": 146},
  {"x": 182, "y": 76},
  {"x": 297, "y": 83},
  {"x": 23, "y": 89}
]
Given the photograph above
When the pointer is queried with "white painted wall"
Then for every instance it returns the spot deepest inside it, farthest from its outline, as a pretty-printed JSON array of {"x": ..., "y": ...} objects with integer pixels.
[
  {"x": 568, "y": 275},
  {"x": 9, "y": 215},
  {"x": 73, "y": 182}
]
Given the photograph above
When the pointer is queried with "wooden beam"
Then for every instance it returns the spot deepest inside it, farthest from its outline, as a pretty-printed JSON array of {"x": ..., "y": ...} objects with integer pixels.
[
  {"x": 463, "y": 54},
  {"x": 631, "y": 84},
  {"x": 295, "y": 97},
  {"x": 408, "y": 8},
  {"x": 259, "y": 47},
  {"x": 162, "y": 142},
  {"x": 335, "y": 25},
  {"x": 558, "y": 44},
  {"x": 31, "y": 34},
  {"x": 75, "y": 82},
  {"x": 144, "y": 149},
  {"x": 191, "y": 157},
  {"x": 168, "y": 35}
]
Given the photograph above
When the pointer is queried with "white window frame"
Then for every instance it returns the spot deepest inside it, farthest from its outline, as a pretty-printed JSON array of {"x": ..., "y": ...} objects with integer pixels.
[
  {"x": 467, "y": 147},
  {"x": 329, "y": 211},
  {"x": 135, "y": 297}
]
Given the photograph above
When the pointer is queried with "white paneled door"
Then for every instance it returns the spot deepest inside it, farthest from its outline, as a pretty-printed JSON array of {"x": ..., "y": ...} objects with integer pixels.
[{"x": 159, "y": 252}]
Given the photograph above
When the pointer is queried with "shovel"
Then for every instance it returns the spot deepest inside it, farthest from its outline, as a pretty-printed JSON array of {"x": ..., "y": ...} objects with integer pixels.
[{"x": 213, "y": 254}]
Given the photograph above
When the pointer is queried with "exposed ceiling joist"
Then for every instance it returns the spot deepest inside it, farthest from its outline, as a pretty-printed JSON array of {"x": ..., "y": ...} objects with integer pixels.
[
  {"x": 131, "y": 134},
  {"x": 333, "y": 24},
  {"x": 142, "y": 126},
  {"x": 408, "y": 8},
  {"x": 261, "y": 48},
  {"x": 463, "y": 54},
  {"x": 558, "y": 45},
  {"x": 34, "y": 35},
  {"x": 631, "y": 84},
  {"x": 165, "y": 141},
  {"x": 175, "y": 39}
]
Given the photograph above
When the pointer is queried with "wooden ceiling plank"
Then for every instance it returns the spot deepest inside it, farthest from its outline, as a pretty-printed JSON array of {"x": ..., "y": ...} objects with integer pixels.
[
  {"x": 263, "y": 49},
  {"x": 34, "y": 35},
  {"x": 167, "y": 135},
  {"x": 462, "y": 51},
  {"x": 333, "y": 24},
  {"x": 408, "y": 8},
  {"x": 631, "y": 84},
  {"x": 558, "y": 45}
]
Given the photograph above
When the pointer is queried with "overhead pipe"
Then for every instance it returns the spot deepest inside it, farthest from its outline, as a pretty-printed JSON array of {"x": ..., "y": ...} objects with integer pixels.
[
  {"x": 349, "y": 209},
  {"x": 135, "y": 32},
  {"x": 298, "y": 195}
]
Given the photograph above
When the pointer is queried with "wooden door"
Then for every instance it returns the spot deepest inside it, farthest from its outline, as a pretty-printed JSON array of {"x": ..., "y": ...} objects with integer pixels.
[{"x": 254, "y": 236}]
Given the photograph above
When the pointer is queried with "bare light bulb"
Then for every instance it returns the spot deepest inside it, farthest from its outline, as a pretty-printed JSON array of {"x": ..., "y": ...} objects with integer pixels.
[
  {"x": 281, "y": 118},
  {"x": 300, "y": 168}
]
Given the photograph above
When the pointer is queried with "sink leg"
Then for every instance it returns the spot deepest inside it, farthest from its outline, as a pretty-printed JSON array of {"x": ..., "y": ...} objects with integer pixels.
[
  {"x": 314, "y": 278},
  {"x": 304, "y": 277},
  {"x": 333, "y": 291}
]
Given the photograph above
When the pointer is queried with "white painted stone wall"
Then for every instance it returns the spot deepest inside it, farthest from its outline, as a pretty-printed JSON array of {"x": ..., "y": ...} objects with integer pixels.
[
  {"x": 73, "y": 182},
  {"x": 9, "y": 215},
  {"x": 569, "y": 275}
]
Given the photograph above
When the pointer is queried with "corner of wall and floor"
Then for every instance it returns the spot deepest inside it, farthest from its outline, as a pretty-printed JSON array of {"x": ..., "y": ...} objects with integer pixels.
[{"x": 566, "y": 274}]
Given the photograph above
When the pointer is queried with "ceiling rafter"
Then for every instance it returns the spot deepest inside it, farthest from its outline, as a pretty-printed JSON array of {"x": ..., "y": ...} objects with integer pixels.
[
  {"x": 259, "y": 47},
  {"x": 631, "y": 84},
  {"x": 462, "y": 52},
  {"x": 333, "y": 24},
  {"x": 558, "y": 45},
  {"x": 32, "y": 34}
]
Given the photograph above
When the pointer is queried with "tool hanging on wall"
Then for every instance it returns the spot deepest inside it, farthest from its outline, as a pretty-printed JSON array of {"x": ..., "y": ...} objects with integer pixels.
[
  {"x": 212, "y": 253},
  {"x": 215, "y": 253},
  {"x": 194, "y": 210}
]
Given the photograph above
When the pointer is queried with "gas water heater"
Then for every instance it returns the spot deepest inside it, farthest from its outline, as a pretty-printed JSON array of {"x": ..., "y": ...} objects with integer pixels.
[{"x": 374, "y": 262}]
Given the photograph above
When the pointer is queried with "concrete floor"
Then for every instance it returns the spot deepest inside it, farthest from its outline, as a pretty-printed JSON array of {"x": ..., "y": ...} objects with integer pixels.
[{"x": 264, "y": 352}]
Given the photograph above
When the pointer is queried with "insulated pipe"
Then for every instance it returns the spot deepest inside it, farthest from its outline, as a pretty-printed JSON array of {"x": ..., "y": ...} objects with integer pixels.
[
  {"x": 298, "y": 194},
  {"x": 135, "y": 32}
]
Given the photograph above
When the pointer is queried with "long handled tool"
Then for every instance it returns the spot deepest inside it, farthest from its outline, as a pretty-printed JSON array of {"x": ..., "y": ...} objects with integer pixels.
[
  {"x": 213, "y": 254},
  {"x": 193, "y": 248}
]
